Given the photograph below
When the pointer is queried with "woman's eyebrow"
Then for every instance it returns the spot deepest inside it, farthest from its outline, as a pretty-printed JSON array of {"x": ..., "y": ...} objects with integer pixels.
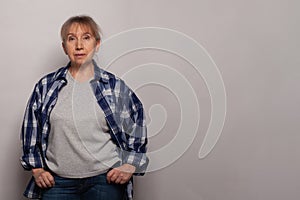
[{"x": 71, "y": 34}]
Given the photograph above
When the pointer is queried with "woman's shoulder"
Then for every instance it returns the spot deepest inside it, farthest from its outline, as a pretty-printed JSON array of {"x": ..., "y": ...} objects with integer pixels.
[
  {"x": 120, "y": 86},
  {"x": 110, "y": 77},
  {"x": 52, "y": 76}
]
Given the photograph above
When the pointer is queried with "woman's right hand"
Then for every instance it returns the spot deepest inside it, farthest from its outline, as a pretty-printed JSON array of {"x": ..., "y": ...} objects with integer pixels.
[{"x": 43, "y": 178}]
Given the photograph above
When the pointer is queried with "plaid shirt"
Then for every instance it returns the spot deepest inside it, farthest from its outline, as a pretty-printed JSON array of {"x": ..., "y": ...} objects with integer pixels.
[{"x": 123, "y": 112}]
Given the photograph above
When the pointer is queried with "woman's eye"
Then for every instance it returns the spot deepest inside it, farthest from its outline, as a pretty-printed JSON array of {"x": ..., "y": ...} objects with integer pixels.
[
  {"x": 71, "y": 38},
  {"x": 86, "y": 37}
]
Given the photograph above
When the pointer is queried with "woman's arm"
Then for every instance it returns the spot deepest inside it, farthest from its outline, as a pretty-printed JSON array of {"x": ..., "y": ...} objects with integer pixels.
[
  {"x": 30, "y": 134},
  {"x": 135, "y": 130},
  {"x": 31, "y": 145}
]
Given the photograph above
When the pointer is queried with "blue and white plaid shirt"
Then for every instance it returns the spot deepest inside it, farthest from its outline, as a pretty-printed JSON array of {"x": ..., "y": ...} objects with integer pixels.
[{"x": 123, "y": 112}]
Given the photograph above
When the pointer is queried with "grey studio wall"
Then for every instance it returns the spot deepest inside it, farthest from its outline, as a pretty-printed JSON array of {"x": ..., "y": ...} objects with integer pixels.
[{"x": 255, "y": 45}]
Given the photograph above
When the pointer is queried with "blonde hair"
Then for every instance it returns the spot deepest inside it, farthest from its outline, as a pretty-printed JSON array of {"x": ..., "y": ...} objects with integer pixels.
[{"x": 83, "y": 20}]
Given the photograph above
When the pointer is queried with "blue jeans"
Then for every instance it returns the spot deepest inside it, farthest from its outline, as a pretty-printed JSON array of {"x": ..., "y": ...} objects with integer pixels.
[{"x": 92, "y": 188}]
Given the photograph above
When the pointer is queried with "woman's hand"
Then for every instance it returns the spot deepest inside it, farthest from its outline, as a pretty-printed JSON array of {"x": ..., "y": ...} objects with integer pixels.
[
  {"x": 120, "y": 175},
  {"x": 43, "y": 178}
]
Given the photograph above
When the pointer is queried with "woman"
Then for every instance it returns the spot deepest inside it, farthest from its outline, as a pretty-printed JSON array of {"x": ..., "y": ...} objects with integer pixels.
[{"x": 84, "y": 132}]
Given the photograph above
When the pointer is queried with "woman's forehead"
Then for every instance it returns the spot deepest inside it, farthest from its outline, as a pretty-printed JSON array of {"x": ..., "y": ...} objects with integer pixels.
[{"x": 77, "y": 27}]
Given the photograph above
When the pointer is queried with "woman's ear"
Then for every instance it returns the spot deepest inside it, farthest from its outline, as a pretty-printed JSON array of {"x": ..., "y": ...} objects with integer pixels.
[
  {"x": 97, "y": 45},
  {"x": 64, "y": 48}
]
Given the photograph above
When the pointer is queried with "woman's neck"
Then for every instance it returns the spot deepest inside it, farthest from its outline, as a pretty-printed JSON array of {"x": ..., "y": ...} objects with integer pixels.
[{"x": 82, "y": 72}]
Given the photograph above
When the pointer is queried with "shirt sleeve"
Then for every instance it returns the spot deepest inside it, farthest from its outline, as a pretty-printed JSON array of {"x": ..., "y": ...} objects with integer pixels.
[
  {"x": 134, "y": 127},
  {"x": 30, "y": 134}
]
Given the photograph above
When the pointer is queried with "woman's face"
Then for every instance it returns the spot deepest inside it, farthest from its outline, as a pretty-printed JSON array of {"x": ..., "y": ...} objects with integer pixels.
[{"x": 80, "y": 45}]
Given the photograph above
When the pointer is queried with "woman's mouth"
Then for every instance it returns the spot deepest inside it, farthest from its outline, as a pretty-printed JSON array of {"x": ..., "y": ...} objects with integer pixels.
[{"x": 79, "y": 55}]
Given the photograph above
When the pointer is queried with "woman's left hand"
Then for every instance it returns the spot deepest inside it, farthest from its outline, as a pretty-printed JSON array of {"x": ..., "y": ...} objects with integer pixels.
[{"x": 120, "y": 175}]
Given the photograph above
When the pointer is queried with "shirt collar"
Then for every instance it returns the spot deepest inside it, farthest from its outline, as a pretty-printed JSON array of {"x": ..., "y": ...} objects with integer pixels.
[
  {"x": 61, "y": 73},
  {"x": 100, "y": 74}
]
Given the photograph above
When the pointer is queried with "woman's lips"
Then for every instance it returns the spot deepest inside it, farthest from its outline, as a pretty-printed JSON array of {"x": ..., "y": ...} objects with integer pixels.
[{"x": 78, "y": 55}]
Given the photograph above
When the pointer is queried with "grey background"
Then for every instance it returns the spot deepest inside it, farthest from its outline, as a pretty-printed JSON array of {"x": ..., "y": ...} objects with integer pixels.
[{"x": 254, "y": 43}]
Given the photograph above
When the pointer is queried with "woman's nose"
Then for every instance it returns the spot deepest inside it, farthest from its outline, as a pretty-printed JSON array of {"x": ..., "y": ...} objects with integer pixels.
[{"x": 79, "y": 45}]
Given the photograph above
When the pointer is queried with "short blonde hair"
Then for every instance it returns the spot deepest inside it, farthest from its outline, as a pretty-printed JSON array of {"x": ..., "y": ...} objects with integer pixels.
[{"x": 83, "y": 20}]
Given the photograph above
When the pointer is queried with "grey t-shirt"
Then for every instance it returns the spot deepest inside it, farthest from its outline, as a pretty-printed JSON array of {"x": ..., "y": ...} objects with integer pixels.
[{"x": 79, "y": 142}]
